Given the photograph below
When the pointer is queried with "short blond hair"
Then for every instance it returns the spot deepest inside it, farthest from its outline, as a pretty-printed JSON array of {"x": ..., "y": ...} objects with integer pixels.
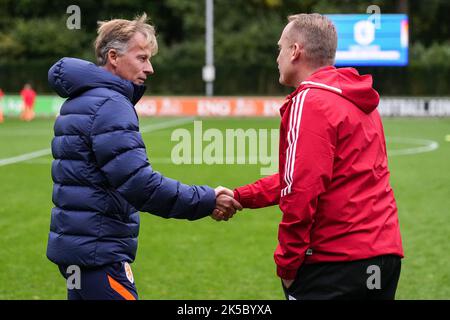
[
  {"x": 318, "y": 36},
  {"x": 116, "y": 33}
]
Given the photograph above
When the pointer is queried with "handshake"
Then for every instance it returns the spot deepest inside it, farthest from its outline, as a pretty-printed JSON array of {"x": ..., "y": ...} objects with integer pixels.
[{"x": 226, "y": 205}]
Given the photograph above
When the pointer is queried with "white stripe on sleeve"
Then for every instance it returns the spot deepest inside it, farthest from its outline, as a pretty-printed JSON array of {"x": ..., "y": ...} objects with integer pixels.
[
  {"x": 290, "y": 138},
  {"x": 293, "y": 134}
]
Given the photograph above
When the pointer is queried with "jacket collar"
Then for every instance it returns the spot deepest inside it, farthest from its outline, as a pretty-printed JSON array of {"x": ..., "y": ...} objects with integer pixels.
[{"x": 69, "y": 77}]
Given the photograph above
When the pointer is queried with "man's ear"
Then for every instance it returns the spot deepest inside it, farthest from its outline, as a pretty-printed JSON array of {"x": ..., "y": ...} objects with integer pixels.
[
  {"x": 297, "y": 52},
  {"x": 112, "y": 57}
]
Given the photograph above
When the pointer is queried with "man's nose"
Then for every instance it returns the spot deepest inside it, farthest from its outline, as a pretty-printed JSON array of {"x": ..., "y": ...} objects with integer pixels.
[{"x": 148, "y": 68}]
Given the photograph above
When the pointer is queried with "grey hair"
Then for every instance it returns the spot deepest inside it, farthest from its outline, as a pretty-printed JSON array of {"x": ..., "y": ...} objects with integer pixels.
[
  {"x": 317, "y": 35},
  {"x": 116, "y": 33},
  {"x": 120, "y": 46}
]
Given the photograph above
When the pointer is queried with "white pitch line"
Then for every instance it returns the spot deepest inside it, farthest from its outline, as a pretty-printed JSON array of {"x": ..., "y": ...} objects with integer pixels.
[
  {"x": 424, "y": 146},
  {"x": 47, "y": 151},
  {"x": 26, "y": 133},
  {"x": 25, "y": 157},
  {"x": 165, "y": 124},
  {"x": 228, "y": 160}
]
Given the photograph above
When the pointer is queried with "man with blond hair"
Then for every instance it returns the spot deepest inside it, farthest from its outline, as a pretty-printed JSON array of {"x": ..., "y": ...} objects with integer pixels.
[
  {"x": 101, "y": 173},
  {"x": 339, "y": 237}
]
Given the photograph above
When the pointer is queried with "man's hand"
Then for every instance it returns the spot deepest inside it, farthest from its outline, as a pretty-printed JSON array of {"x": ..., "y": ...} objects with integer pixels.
[
  {"x": 219, "y": 215},
  {"x": 226, "y": 206},
  {"x": 287, "y": 283},
  {"x": 222, "y": 190}
]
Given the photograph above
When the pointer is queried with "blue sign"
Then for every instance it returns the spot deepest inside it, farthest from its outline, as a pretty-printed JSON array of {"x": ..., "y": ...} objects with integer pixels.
[{"x": 371, "y": 39}]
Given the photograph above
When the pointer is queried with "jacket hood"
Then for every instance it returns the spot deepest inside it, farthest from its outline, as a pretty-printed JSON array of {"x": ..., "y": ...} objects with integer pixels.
[
  {"x": 69, "y": 77},
  {"x": 346, "y": 82}
]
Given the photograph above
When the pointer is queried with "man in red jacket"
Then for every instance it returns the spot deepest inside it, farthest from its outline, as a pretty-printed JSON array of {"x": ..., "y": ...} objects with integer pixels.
[{"x": 339, "y": 237}]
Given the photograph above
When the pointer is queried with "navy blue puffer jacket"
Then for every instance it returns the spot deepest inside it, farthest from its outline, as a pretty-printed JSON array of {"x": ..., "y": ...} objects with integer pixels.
[{"x": 101, "y": 173}]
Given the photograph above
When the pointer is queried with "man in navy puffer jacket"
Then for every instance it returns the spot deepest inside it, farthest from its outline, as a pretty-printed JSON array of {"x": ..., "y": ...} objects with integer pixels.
[{"x": 101, "y": 173}]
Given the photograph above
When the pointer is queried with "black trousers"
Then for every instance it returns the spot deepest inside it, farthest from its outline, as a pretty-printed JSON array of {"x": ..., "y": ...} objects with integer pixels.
[{"x": 369, "y": 279}]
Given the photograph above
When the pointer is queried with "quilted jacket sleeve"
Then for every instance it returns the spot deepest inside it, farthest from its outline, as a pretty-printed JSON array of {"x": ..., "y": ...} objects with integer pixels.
[{"x": 120, "y": 153}]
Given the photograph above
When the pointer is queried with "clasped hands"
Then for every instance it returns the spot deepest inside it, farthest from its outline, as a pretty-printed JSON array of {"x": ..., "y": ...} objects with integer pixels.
[{"x": 226, "y": 205}]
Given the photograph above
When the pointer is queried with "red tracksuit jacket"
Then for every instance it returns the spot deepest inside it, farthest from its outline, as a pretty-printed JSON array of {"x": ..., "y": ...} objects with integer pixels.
[{"x": 333, "y": 180}]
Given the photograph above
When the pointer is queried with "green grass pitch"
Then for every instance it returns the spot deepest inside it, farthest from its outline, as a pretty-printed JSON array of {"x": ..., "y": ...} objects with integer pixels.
[{"x": 206, "y": 259}]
